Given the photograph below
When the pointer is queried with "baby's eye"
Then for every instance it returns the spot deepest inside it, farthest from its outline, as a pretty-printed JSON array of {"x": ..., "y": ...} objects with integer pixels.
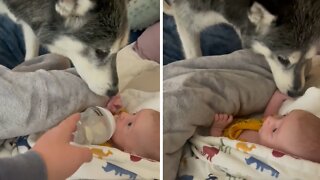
[
  {"x": 129, "y": 124},
  {"x": 274, "y": 130}
]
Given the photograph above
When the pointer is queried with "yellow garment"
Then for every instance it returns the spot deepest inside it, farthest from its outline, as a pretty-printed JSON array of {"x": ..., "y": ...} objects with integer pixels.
[
  {"x": 122, "y": 110},
  {"x": 234, "y": 130}
]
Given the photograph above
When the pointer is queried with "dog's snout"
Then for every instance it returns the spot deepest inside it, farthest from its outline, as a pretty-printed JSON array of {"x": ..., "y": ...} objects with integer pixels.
[
  {"x": 112, "y": 92},
  {"x": 293, "y": 93}
]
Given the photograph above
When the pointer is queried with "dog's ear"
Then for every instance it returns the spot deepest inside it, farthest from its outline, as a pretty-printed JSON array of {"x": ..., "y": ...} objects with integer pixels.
[{"x": 261, "y": 17}]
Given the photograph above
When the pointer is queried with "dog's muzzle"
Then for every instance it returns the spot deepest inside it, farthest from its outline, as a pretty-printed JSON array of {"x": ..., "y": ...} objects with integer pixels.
[{"x": 113, "y": 91}]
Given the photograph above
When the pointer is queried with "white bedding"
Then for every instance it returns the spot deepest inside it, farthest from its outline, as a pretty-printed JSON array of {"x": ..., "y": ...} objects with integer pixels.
[
  {"x": 132, "y": 67},
  {"x": 308, "y": 102},
  {"x": 111, "y": 163}
]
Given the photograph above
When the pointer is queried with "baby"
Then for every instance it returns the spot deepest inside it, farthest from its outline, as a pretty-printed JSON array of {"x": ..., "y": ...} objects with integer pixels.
[
  {"x": 137, "y": 133},
  {"x": 296, "y": 133}
]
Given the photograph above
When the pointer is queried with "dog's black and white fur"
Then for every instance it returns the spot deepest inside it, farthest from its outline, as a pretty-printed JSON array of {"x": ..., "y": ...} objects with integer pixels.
[
  {"x": 284, "y": 31},
  {"x": 89, "y": 32}
]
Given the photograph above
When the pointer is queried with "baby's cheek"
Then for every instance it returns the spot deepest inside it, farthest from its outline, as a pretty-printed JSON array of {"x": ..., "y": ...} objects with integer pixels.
[
  {"x": 266, "y": 141},
  {"x": 117, "y": 138}
]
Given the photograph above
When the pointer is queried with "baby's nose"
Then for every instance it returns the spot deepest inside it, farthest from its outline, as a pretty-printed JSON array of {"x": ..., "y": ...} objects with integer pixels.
[{"x": 268, "y": 121}]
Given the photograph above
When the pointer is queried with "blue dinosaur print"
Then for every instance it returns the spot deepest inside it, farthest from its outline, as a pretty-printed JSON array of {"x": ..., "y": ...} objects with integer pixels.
[
  {"x": 23, "y": 141},
  {"x": 186, "y": 177},
  {"x": 119, "y": 170},
  {"x": 262, "y": 166}
]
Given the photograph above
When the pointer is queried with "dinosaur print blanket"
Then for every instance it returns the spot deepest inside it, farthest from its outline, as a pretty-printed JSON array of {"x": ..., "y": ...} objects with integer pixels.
[
  {"x": 111, "y": 163},
  {"x": 221, "y": 158}
]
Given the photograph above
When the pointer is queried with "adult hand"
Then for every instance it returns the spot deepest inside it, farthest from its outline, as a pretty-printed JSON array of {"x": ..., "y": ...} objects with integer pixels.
[{"x": 61, "y": 158}]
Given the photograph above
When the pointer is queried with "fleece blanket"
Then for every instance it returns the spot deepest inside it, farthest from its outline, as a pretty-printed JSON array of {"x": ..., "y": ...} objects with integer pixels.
[
  {"x": 222, "y": 158},
  {"x": 194, "y": 90}
]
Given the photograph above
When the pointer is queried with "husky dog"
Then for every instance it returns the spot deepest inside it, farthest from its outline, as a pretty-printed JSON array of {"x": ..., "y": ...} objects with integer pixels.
[
  {"x": 284, "y": 31},
  {"x": 89, "y": 32}
]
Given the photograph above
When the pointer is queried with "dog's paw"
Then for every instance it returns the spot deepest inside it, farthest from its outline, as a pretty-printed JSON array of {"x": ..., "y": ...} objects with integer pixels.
[
  {"x": 68, "y": 8},
  {"x": 65, "y": 7}
]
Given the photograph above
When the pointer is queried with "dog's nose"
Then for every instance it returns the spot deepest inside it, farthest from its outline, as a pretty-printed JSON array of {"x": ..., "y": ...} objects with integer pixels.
[
  {"x": 294, "y": 93},
  {"x": 112, "y": 92}
]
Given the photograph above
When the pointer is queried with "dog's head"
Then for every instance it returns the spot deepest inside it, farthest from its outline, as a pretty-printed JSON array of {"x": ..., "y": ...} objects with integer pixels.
[
  {"x": 286, "y": 35},
  {"x": 100, "y": 29}
]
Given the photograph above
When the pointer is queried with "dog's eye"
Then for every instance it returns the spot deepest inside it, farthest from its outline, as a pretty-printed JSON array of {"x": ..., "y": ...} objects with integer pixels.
[
  {"x": 283, "y": 61},
  {"x": 101, "y": 54}
]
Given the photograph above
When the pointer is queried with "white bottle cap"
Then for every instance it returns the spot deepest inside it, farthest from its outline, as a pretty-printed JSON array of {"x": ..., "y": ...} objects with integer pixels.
[
  {"x": 96, "y": 126},
  {"x": 110, "y": 121}
]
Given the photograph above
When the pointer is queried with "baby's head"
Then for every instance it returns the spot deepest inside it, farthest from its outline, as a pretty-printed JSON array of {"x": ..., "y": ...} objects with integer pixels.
[
  {"x": 139, "y": 133},
  {"x": 297, "y": 134}
]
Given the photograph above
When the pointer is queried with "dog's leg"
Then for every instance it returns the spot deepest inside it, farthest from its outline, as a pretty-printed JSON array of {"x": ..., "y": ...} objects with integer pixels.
[
  {"x": 31, "y": 42},
  {"x": 189, "y": 25},
  {"x": 190, "y": 41}
]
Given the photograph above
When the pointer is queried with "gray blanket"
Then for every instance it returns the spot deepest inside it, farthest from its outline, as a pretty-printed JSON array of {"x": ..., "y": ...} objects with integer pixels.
[{"x": 239, "y": 83}]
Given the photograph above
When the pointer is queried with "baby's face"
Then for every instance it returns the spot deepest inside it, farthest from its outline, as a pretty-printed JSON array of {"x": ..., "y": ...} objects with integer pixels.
[
  {"x": 281, "y": 132},
  {"x": 138, "y": 133}
]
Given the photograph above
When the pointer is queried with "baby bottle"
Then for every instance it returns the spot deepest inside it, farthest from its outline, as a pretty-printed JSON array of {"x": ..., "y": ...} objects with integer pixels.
[{"x": 96, "y": 126}]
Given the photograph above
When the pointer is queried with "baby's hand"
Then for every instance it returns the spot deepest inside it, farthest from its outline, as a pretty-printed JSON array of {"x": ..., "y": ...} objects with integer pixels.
[
  {"x": 221, "y": 121},
  {"x": 275, "y": 103},
  {"x": 281, "y": 96},
  {"x": 115, "y": 104}
]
